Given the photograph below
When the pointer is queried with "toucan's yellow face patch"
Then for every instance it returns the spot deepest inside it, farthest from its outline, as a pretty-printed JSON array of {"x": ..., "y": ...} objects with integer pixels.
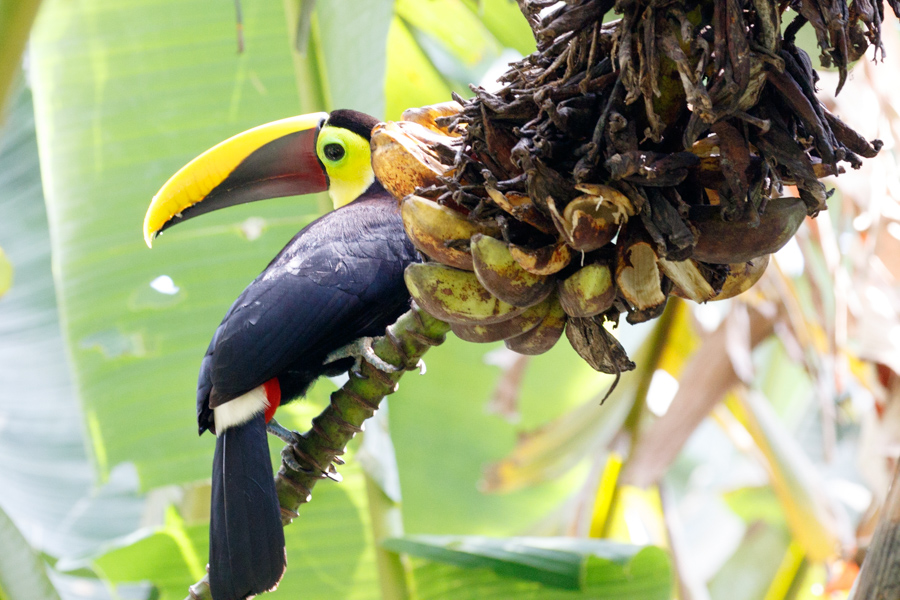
[{"x": 348, "y": 162}]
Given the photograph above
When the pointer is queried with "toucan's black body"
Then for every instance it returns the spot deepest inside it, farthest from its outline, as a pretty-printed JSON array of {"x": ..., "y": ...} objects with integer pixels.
[{"x": 339, "y": 279}]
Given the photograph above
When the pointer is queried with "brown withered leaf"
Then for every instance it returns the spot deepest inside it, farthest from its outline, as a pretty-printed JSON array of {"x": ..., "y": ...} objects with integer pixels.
[
  {"x": 851, "y": 139},
  {"x": 802, "y": 108},
  {"x": 735, "y": 159},
  {"x": 779, "y": 147},
  {"x": 738, "y": 47},
  {"x": 598, "y": 347},
  {"x": 665, "y": 218}
]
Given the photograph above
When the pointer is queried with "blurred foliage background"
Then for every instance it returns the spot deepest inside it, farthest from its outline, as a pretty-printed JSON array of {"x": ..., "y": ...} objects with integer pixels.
[{"x": 745, "y": 459}]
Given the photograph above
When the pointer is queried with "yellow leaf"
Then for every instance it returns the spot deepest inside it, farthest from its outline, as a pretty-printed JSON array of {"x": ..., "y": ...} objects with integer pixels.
[
  {"x": 6, "y": 273},
  {"x": 794, "y": 478}
]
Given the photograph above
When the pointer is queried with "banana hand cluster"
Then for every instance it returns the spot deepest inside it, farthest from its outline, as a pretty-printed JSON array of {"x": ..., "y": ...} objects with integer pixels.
[{"x": 580, "y": 262}]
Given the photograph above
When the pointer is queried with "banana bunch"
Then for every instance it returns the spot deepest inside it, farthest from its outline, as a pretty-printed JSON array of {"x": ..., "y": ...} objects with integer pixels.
[
  {"x": 630, "y": 158},
  {"x": 588, "y": 261}
]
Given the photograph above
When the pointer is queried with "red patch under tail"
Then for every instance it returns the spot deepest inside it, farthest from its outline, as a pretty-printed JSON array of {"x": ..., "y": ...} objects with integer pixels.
[{"x": 273, "y": 396}]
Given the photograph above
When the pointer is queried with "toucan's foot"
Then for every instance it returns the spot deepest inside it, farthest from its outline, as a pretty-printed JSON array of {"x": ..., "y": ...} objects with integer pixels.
[
  {"x": 361, "y": 349},
  {"x": 289, "y": 459},
  {"x": 281, "y": 432},
  {"x": 289, "y": 452},
  {"x": 290, "y": 438}
]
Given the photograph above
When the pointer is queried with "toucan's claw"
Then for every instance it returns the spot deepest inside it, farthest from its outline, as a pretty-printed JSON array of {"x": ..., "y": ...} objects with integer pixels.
[
  {"x": 289, "y": 452},
  {"x": 290, "y": 461},
  {"x": 361, "y": 349},
  {"x": 281, "y": 432},
  {"x": 288, "y": 455}
]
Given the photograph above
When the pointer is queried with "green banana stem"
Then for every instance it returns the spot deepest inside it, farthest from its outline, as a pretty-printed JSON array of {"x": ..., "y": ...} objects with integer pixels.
[{"x": 320, "y": 448}]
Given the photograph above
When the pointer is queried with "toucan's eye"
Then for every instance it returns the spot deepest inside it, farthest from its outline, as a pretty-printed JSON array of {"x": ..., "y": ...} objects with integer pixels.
[{"x": 333, "y": 152}]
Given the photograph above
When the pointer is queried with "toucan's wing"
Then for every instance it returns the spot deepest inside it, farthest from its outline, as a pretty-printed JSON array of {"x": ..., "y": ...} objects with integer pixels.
[{"x": 339, "y": 279}]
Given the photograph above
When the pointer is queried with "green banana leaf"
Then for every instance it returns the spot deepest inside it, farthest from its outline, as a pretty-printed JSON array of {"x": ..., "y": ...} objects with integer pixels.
[
  {"x": 126, "y": 93},
  {"x": 23, "y": 575},
  {"x": 536, "y": 568},
  {"x": 352, "y": 53},
  {"x": 49, "y": 487}
]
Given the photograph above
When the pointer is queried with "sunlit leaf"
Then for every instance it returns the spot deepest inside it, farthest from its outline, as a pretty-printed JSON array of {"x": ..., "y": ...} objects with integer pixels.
[
  {"x": 444, "y": 437},
  {"x": 548, "y": 452},
  {"x": 6, "y": 273},
  {"x": 560, "y": 443},
  {"x": 454, "y": 39},
  {"x": 748, "y": 573},
  {"x": 704, "y": 381},
  {"x": 146, "y": 87},
  {"x": 351, "y": 52},
  {"x": 504, "y": 20},
  {"x": 16, "y": 17},
  {"x": 680, "y": 343},
  {"x": 411, "y": 78},
  {"x": 586, "y": 567},
  {"x": 331, "y": 553},
  {"x": 637, "y": 516},
  {"x": 170, "y": 557},
  {"x": 756, "y": 504},
  {"x": 49, "y": 485}
]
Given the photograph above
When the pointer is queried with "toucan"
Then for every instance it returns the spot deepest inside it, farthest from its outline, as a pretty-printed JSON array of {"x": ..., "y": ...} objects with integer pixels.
[{"x": 339, "y": 279}]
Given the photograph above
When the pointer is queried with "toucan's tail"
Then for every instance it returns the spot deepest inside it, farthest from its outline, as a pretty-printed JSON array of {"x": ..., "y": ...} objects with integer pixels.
[{"x": 246, "y": 538}]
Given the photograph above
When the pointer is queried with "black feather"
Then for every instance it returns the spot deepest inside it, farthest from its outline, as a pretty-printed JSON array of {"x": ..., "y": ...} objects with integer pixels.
[
  {"x": 246, "y": 538},
  {"x": 339, "y": 279},
  {"x": 357, "y": 122}
]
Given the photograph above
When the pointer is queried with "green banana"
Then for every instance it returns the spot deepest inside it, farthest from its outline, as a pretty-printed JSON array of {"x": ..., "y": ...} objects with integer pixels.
[
  {"x": 455, "y": 296},
  {"x": 432, "y": 228},
  {"x": 727, "y": 242},
  {"x": 483, "y": 334},
  {"x": 543, "y": 337},
  {"x": 500, "y": 274},
  {"x": 545, "y": 260},
  {"x": 587, "y": 292}
]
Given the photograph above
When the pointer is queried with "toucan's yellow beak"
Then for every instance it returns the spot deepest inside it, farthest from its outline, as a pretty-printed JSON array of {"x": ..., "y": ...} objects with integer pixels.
[{"x": 269, "y": 161}]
